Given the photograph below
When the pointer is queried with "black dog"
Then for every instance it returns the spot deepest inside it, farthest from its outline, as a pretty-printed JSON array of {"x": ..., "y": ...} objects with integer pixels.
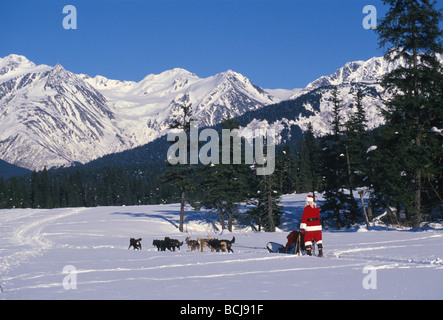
[
  {"x": 167, "y": 243},
  {"x": 160, "y": 244},
  {"x": 136, "y": 243},
  {"x": 171, "y": 244},
  {"x": 223, "y": 245},
  {"x": 229, "y": 244}
]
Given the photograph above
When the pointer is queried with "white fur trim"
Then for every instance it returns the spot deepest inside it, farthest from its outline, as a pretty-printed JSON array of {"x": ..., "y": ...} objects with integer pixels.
[{"x": 313, "y": 228}]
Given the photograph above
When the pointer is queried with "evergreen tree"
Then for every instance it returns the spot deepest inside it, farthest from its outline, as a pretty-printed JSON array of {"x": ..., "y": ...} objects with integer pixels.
[
  {"x": 180, "y": 175},
  {"x": 44, "y": 189},
  {"x": 305, "y": 170},
  {"x": 224, "y": 186},
  {"x": 336, "y": 121},
  {"x": 412, "y": 34},
  {"x": 267, "y": 211},
  {"x": 334, "y": 164},
  {"x": 2, "y": 193},
  {"x": 286, "y": 171},
  {"x": 355, "y": 146},
  {"x": 35, "y": 192},
  {"x": 74, "y": 190},
  {"x": 312, "y": 148},
  {"x": 15, "y": 196},
  {"x": 356, "y": 142}
]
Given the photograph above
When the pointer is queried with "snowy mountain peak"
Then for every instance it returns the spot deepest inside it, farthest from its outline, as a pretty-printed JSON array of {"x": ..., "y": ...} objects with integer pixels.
[
  {"x": 15, "y": 60},
  {"x": 59, "y": 68},
  {"x": 231, "y": 75},
  {"x": 14, "y": 65},
  {"x": 59, "y": 75},
  {"x": 50, "y": 116},
  {"x": 370, "y": 71},
  {"x": 366, "y": 75},
  {"x": 169, "y": 74},
  {"x": 178, "y": 72}
]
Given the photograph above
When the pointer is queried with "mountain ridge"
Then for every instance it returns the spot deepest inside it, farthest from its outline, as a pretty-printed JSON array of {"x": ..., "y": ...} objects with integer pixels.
[{"x": 52, "y": 117}]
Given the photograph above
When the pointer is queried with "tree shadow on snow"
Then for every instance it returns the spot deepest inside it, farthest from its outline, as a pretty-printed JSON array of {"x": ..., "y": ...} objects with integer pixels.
[
  {"x": 159, "y": 215},
  {"x": 292, "y": 213}
]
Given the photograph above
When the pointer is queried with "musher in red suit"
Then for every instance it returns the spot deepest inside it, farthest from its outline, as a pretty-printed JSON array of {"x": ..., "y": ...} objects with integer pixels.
[{"x": 311, "y": 227}]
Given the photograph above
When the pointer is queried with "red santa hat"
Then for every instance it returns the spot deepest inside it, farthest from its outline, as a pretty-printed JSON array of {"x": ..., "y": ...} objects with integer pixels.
[{"x": 310, "y": 198}]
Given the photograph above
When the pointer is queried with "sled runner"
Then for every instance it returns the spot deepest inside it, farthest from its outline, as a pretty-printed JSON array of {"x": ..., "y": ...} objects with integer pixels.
[
  {"x": 294, "y": 245},
  {"x": 274, "y": 247}
]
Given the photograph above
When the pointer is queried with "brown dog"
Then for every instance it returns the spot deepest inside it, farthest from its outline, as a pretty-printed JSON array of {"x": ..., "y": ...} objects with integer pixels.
[
  {"x": 223, "y": 245},
  {"x": 204, "y": 242},
  {"x": 192, "y": 244}
]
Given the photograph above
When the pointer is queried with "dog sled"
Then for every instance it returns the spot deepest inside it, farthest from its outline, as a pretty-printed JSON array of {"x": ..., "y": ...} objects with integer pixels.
[{"x": 294, "y": 245}]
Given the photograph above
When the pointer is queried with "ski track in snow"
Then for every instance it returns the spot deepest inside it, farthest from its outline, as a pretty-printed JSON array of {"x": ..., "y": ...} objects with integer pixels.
[
  {"x": 391, "y": 262},
  {"x": 26, "y": 240},
  {"x": 35, "y": 245}
]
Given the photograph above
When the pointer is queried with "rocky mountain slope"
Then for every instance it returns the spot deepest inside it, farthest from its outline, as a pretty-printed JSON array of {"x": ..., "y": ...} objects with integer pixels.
[{"x": 52, "y": 117}]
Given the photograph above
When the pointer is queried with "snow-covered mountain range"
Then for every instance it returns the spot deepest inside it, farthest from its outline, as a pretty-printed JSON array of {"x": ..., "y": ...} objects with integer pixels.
[
  {"x": 50, "y": 116},
  {"x": 316, "y": 97},
  {"x": 144, "y": 109}
]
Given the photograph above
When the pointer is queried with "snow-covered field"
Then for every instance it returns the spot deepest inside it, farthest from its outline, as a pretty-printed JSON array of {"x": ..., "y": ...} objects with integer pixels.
[{"x": 82, "y": 253}]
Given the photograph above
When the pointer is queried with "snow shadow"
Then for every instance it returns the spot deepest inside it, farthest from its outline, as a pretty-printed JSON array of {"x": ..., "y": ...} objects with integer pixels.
[
  {"x": 292, "y": 213},
  {"x": 158, "y": 215},
  {"x": 203, "y": 217}
]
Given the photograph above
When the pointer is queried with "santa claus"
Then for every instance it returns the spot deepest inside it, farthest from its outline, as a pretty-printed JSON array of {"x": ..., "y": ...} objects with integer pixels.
[{"x": 310, "y": 226}]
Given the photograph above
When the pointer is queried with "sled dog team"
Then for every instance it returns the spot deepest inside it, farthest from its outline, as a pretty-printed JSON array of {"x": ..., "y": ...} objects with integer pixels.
[
  {"x": 193, "y": 245},
  {"x": 213, "y": 244},
  {"x": 310, "y": 232}
]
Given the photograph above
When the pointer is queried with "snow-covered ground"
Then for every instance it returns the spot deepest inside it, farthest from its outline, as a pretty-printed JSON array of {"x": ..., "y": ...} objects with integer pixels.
[{"x": 82, "y": 253}]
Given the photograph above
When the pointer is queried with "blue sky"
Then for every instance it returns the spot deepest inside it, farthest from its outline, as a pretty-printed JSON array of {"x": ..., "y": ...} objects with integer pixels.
[{"x": 275, "y": 43}]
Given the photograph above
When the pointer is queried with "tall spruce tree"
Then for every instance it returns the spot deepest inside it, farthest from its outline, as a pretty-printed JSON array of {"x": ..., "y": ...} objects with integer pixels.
[
  {"x": 267, "y": 211},
  {"x": 266, "y": 193},
  {"x": 333, "y": 160},
  {"x": 180, "y": 175},
  {"x": 314, "y": 156},
  {"x": 3, "y": 191},
  {"x": 410, "y": 31},
  {"x": 305, "y": 170},
  {"x": 224, "y": 186},
  {"x": 355, "y": 146},
  {"x": 356, "y": 142},
  {"x": 286, "y": 170}
]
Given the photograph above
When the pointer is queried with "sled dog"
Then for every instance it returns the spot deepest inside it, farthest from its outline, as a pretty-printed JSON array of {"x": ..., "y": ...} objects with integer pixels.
[
  {"x": 192, "y": 244},
  {"x": 136, "y": 243},
  {"x": 202, "y": 242},
  {"x": 223, "y": 245}
]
